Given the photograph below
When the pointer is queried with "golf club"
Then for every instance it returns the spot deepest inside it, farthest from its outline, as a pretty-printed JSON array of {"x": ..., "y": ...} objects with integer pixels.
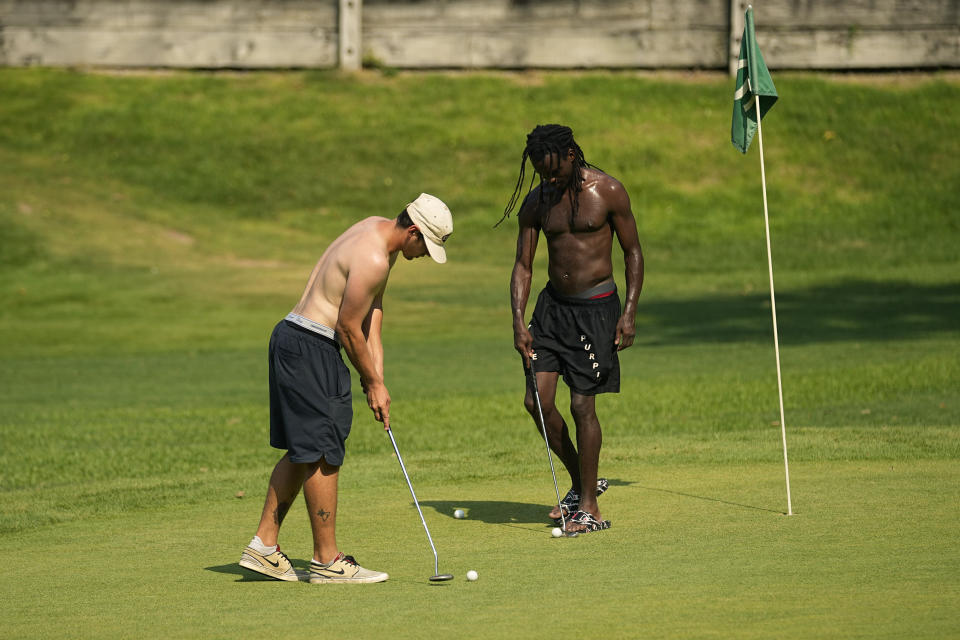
[
  {"x": 543, "y": 427},
  {"x": 437, "y": 576}
]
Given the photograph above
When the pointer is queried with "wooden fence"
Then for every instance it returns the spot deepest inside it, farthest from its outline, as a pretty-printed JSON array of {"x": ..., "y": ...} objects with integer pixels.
[{"x": 471, "y": 34}]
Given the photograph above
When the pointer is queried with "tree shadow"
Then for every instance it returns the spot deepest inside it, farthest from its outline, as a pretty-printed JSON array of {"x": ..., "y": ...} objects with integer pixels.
[{"x": 847, "y": 311}]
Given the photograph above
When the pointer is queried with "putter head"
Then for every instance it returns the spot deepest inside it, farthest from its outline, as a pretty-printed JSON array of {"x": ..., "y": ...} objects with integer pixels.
[{"x": 441, "y": 577}]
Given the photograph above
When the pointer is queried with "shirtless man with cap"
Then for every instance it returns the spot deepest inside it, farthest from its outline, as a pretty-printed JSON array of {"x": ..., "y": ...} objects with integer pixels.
[{"x": 310, "y": 398}]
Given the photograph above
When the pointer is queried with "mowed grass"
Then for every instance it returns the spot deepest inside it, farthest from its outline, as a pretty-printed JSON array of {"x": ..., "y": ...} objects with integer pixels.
[
  {"x": 156, "y": 227},
  {"x": 698, "y": 550}
]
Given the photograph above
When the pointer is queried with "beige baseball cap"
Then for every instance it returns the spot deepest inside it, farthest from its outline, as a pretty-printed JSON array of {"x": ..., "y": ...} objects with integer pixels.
[{"x": 435, "y": 222}]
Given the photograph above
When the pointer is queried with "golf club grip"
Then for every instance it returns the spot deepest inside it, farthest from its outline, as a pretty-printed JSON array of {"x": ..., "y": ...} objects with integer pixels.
[{"x": 532, "y": 374}]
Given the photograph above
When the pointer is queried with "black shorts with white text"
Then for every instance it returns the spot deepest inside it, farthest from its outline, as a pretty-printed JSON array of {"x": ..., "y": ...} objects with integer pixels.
[{"x": 577, "y": 338}]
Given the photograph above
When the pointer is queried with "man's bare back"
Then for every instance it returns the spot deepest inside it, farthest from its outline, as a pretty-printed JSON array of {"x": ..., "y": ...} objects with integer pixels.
[
  {"x": 345, "y": 293},
  {"x": 345, "y": 288},
  {"x": 360, "y": 251}
]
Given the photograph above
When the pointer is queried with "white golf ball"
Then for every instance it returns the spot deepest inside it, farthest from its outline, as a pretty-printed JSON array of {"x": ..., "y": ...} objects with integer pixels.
[
  {"x": 472, "y": 575},
  {"x": 458, "y": 514},
  {"x": 556, "y": 533}
]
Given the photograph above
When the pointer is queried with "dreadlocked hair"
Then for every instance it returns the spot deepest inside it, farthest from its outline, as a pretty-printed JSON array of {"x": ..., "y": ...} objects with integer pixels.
[{"x": 546, "y": 139}]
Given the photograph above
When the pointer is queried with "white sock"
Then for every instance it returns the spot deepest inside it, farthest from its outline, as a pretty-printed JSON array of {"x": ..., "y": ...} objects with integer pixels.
[
  {"x": 257, "y": 545},
  {"x": 325, "y": 564}
]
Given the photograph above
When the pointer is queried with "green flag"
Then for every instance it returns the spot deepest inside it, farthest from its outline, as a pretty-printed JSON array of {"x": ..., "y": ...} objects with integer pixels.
[{"x": 754, "y": 85}]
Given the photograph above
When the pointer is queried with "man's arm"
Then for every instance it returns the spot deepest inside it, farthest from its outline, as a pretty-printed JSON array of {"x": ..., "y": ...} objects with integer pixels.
[
  {"x": 373, "y": 332},
  {"x": 365, "y": 282},
  {"x": 625, "y": 226},
  {"x": 527, "y": 237}
]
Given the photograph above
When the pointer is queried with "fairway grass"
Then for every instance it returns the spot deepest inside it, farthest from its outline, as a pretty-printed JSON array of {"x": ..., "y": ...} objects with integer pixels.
[
  {"x": 696, "y": 551},
  {"x": 154, "y": 228}
]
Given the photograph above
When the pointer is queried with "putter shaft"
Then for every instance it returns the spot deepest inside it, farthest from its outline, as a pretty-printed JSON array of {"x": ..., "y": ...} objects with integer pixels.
[
  {"x": 543, "y": 428},
  {"x": 436, "y": 560}
]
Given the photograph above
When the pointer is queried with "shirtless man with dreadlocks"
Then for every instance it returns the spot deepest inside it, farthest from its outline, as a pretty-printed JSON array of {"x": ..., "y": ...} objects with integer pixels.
[{"x": 577, "y": 326}]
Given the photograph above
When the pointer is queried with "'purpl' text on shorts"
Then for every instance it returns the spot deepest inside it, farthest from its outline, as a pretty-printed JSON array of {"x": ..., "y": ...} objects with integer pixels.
[{"x": 576, "y": 336}]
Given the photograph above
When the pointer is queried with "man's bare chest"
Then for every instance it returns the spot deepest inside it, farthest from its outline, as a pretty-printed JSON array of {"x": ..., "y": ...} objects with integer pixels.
[{"x": 587, "y": 215}]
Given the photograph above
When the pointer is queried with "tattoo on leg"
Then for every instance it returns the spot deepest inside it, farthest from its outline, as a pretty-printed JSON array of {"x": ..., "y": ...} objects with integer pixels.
[
  {"x": 281, "y": 512},
  {"x": 324, "y": 514}
]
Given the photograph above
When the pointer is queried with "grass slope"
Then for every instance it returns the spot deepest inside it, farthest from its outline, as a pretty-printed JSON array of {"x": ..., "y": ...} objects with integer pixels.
[{"x": 156, "y": 227}]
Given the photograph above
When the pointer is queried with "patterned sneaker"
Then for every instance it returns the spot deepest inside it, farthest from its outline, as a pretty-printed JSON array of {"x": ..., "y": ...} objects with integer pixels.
[
  {"x": 571, "y": 502},
  {"x": 582, "y": 522},
  {"x": 344, "y": 570},
  {"x": 276, "y": 565}
]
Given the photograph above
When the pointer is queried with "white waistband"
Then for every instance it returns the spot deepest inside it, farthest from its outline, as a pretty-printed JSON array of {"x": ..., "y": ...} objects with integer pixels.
[{"x": 310, "y": 325}]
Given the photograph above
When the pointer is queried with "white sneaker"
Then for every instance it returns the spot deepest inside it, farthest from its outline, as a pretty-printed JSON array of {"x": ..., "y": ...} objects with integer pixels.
[{"x": 343, "y": 569}]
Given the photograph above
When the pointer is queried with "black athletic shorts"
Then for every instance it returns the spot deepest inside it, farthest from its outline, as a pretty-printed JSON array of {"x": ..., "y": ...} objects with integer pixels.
[
  {"x": 311, "y": 407},
  {"x": 576, "y": 337}
]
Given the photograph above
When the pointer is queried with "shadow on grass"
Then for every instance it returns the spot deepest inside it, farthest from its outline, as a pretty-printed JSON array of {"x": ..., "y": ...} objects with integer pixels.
[
  {"x": 303, "y": 574},
  {"x": 504, "y": 512},
  {"x": 727, "y": 502},
  {"x": 491, "y": 511},
  {"x": 849, "y": 310},
  {"x": 245, "y": 575},
  {"x": 236, "y": 570}
]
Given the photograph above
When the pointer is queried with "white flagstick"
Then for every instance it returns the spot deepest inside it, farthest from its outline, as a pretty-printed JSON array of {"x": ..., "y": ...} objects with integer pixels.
[{"x": 773, "y": 304}]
